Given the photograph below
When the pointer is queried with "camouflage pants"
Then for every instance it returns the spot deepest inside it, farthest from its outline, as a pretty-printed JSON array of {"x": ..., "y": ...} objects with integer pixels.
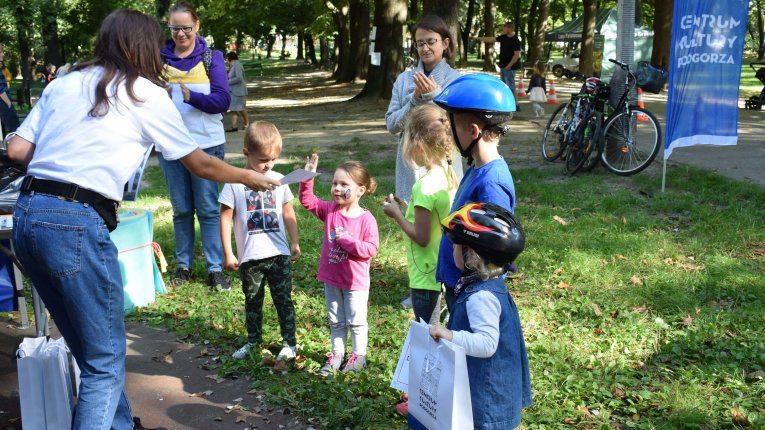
[{"x": 277, "y": 271}]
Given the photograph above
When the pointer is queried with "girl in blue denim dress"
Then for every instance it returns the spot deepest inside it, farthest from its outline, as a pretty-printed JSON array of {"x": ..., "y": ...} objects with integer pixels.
[{"x": 484, "y": 319}]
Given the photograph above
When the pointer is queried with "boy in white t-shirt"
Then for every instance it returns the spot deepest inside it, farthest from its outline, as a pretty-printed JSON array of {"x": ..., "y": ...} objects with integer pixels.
[{"x": 260, "y": 219}]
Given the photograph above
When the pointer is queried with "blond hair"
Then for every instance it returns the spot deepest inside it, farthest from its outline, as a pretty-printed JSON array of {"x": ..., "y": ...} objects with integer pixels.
[
  {"x": 262, "y": 136},
  {"x": 479, "y": 266},
  {"x": 359, "y": 173},
  {"x": 428, "y": 140}
]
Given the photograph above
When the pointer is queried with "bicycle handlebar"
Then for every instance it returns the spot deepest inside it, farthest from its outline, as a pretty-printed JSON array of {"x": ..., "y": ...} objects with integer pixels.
[{"x": 623, "y": 66}]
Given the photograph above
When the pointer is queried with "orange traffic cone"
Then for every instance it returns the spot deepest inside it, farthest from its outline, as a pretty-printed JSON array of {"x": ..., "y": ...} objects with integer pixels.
[
  {"x": 552, "y": 98},
  {"x": 520, "y": 92},
  {"x": 641, "y": 104}
]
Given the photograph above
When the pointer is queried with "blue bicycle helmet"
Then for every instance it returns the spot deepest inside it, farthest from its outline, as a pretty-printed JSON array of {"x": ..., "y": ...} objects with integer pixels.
[{"x": 482, "y": 95}]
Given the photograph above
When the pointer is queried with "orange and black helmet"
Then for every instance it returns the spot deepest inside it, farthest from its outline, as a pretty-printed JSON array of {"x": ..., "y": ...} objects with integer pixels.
[{"x": 489, "y": 229}]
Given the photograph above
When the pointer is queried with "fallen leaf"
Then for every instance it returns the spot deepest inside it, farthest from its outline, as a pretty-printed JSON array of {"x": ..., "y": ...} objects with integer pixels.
[
  {"x": 584, "y": 411},
  {"x": 308, "y": 326},
  {"x": 588, "y": 367},
  {"x": 596, "y": 309},
  {"x": 617, "y": 392},
  {"x": 167, "y": 357},
  {"x": 558, "y": 271},
  {"x": 281, "y": 366},
  {"x": 204, "y": 352},
  {"x": 739, "y": 418},
  {"x": 252, "y": 392},
  {"x": 238, "y": 400},
  {"x": 636, "y": 417},
  {"x": 560, "y": 220},
  {"x": 614, "y": 313},
  {"x": 759, "y": 375},
  {"x": 218, "y": 419},
  {"x": 687, "y": 321},
  {"x": 624, "y": 220},
  {"x": 669, "y": 261},
  {"x": 621, "y": 257},
  {"x": 563, "y": 285},
  {"x": 240, "y": 419},
  {"x": 636, "y": 281}
]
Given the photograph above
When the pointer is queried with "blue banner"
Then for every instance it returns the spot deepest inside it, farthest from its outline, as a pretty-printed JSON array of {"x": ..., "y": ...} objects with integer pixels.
[{"x": 705, "y": 72}]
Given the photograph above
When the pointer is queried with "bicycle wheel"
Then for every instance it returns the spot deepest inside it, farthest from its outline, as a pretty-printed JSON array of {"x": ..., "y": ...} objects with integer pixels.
[
  {"x": 553, "y": 141},
  {"x": 630, "y": 141},
  {"x": 585, "y": 139},
  {"x": 594, "y": 158}
]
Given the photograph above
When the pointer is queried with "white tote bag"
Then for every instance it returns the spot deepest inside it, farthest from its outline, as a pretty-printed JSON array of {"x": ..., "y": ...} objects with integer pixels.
[
  {"x": 439, "y": 390},
  {"x": 537, "y": 95},
  {"x": 45, "y": 385}
]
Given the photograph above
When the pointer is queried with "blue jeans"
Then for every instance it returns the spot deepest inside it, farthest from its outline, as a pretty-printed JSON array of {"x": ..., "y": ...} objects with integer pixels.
[
  {"x": 69, "y": 257},
  {"x": 425, "y": 304},
  {"x": 508, "y": 77},
  {"x": 190, "y": 194}
]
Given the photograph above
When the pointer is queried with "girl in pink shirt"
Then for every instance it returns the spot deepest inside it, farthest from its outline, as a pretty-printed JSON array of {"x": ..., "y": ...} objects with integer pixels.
[{"x": 350, "y": 241}]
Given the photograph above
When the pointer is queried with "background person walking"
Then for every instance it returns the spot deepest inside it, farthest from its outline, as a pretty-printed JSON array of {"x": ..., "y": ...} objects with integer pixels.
[{"x": 509, "y": 54}]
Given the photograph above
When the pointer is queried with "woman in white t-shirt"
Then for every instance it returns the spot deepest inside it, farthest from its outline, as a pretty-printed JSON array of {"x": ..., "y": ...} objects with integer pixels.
[{"x": 82, "y": 141}]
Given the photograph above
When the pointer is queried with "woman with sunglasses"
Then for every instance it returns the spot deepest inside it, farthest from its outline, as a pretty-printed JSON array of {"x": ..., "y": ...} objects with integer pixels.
[
  {"x": 417, "y": 86},
  {"x": 199, "y": 82}
]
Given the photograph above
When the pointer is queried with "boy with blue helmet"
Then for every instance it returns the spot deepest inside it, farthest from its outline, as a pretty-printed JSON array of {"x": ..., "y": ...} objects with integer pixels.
[{"x": 479, "y": 105}]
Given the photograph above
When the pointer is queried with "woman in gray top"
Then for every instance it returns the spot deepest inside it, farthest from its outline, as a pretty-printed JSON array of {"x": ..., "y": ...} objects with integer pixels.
[
  {"x": 421, "y": 85},
  {"x": 237, "y": 86}
]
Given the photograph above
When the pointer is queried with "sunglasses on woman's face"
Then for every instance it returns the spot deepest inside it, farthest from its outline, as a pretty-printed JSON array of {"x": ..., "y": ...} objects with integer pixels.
[{"x": 178, "y": 28}]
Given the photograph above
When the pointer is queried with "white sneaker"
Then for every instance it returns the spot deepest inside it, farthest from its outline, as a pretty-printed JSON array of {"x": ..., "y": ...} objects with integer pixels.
[
  {"x": 242, "y": 352},
  {"x": 287, "y": 353}
]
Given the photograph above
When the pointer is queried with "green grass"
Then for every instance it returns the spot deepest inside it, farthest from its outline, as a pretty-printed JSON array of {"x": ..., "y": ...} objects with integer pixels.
[{"x": 644, "y": 311}]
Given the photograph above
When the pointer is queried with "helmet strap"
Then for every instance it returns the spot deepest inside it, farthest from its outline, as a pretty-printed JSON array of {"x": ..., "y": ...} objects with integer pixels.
[{"x": 466, "y": 153}]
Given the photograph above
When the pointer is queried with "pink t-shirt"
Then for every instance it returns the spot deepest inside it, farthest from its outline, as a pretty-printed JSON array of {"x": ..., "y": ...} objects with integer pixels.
[{"x": 345, "y": 258}]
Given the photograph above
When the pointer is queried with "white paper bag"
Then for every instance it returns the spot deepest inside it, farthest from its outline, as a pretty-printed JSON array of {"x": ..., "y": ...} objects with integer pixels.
[
  {"x": 400, "y": 379},
  {"x": 439, "y": 390},
  {"x": 45, "y": 387}
]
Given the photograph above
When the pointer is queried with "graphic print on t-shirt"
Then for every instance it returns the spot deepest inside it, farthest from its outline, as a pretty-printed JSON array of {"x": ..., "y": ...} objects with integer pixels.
[{"x": 263, "y": 216}]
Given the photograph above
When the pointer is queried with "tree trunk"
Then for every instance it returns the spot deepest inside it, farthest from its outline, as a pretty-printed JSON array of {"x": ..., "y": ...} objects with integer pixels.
[
  {"x": 760, "y": 32},
  {"x": 414, "y": 9},
  {"x": 24, "y": 22},
  {"x": 527, "y": 40},
  {"x": 299, "y": 46},
  {"x": 270, "y": 45},
  {"x": 389, "y": 18},
  {"x": 662, "y": 33},
  {"x": 448, "y": 10},
  {"x": 283, "y": 55},
  {"x": 489, "y": 10},
  {"x": 466, "y": 32},
  {"x": 161, "y": 7},
  {"x": 359, "y": 42},
  {"x": 342, "y": 42},
  {"x": 638, "y": 13},
  {"x": 588, "y": 37},
  {"x": 324, "y": 52},
  {"x": 310, "y": 50},
  {"x": 239, "y": 41},
  {"x": 537, "y": 45},
  {"x": 49, "y": 15}
]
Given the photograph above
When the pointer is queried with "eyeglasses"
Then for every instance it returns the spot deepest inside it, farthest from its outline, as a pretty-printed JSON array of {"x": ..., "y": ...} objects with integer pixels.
[
  {"x": 430, "y": 43},
  {"x": 178, "y": 28}
]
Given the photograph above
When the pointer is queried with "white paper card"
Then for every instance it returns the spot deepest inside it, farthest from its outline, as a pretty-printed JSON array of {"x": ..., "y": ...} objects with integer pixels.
[
  {"x": 376, "y": 58},
  {"x": 299, "y": 175}
]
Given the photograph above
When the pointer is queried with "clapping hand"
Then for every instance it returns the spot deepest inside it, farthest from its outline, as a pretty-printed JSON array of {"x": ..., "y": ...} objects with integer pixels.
[
  {"x": 423, "y": 84},
  {"x": 312, "y": 162}
]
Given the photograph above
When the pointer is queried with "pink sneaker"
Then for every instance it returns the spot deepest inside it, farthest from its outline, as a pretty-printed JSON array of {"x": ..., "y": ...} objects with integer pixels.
[
  {"x": 332, "y": 365},
  {"x": 355, "y": 364}
]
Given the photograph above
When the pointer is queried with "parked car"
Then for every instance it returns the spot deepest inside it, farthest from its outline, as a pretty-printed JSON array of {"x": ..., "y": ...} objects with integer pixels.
[{"x": 570, "y": 62}]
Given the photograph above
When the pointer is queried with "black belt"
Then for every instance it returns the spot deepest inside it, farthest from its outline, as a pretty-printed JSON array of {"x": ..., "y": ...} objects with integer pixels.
[{"x": 105, "y": 207}]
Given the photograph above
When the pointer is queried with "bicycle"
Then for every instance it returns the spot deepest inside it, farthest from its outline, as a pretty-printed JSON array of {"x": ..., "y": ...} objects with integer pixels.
[
  {"x": 631, "y": 134},
  {"x": 574, "y": 128}
]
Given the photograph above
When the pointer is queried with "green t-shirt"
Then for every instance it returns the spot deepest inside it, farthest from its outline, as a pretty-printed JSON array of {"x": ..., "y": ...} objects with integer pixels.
[{"x": 430, "y": 192}]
